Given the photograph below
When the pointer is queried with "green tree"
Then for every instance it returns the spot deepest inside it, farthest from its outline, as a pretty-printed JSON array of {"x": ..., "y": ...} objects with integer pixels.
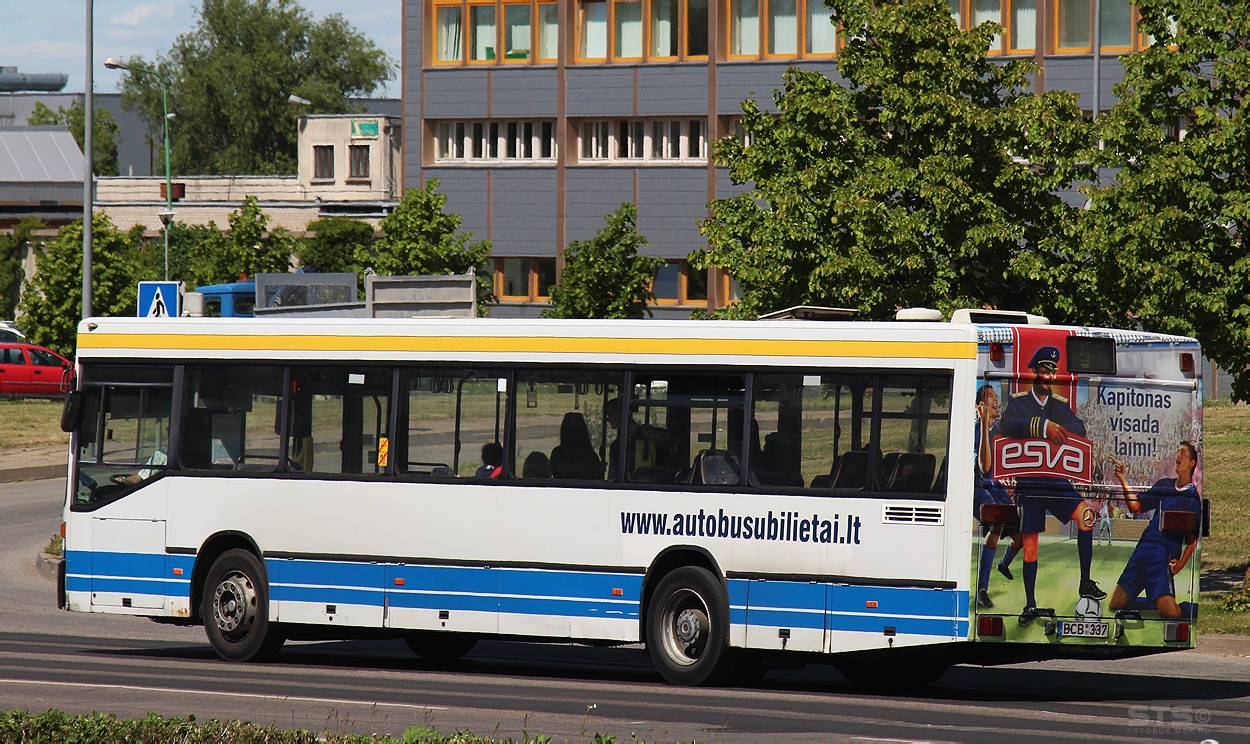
[
  {"x": 929, "y": 178},
  {"x": 200, "y": 255},
  {"x": 1171, "y": 235},
  {"x": 51, "y": 302},
  {"x": 604, "y": 277},
  {"x": 103, "y": 135},
  {"x": 418, "y": 237},
  {"x": 230, "y": 77},
  {"x": 11, "y": 264},
  {"x": 336, "y": 243}
]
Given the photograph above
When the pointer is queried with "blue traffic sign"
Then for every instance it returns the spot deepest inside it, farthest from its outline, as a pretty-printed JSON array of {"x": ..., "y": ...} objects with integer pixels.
[{"x": 160, "y": 299}]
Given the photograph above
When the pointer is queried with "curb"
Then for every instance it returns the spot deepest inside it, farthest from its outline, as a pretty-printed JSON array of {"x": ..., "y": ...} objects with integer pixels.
[
  {"x": 48, "y": 566},
  {"x": 37, "y": 472}
]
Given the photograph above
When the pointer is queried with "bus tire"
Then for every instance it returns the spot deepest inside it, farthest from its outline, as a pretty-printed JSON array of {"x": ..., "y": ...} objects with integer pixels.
[
  {"x": 236, "y": 609},
  {"x": 688, "y": 628},
  {"x": 440, "y": 647}
]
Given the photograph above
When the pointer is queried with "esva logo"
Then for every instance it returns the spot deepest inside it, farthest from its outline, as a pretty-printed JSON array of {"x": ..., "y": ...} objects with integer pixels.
[{"x": 1074, "y": 459}]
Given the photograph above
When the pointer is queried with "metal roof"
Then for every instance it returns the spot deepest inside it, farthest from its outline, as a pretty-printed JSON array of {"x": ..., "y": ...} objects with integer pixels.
[{"x": 39, "y": 155}]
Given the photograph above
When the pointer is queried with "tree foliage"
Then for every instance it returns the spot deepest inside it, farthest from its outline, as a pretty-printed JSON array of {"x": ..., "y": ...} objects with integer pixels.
[
  {"x": 229, "y": 80},
  {"x": 104, "y": 132},
  {"x": 1171, "y": 235},
  {"x": 335, "y": 245},
  {"x": 418, "y": 237},
  {"x": 201, "y": 255},
  {"x": 604, "y": 277},
  {"x": 929, "y": 177},
  {"x": 11, "y": 264},
  {"x": 51, "y": 303}
]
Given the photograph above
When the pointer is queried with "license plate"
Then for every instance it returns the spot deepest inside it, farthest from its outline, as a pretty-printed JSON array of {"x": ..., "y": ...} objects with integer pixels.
[{"x": 1083, "y": 629}]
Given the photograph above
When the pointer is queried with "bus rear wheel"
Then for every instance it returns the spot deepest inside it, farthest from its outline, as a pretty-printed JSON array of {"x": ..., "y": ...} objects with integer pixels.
[
  {"x": 236, "y": 609},
  {"x": 688, "y": 628}
]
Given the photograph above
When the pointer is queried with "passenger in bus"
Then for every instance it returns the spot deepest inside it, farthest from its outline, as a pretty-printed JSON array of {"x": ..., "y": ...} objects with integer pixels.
[
  {"x": 536, "y": 466},
  {"x": 648, "y": 453},
  {"x": 574, "y": 458},
  {"x": 986, "y": 490},
  {"x": 1038, "y": 413},
  {"x": 1158, "y": 557},
  {"x": 492, "y": 461}
]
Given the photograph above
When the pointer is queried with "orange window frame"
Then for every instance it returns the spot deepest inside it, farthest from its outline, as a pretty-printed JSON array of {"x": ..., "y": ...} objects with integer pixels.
[
  {"x": 537, "y": 22},
  {"x": 680, "y": 20},
  {"x": 804, "y": 18},
  {"x": 581, "y": 25},
  {"x": 1054, "y": 29},
  {"x": 761, "y": 40},
  {"x": 645, "y": 37},
  {"x": 766, "y": 20},
  {"x": 1010, "y": 27},
  {"x": 684, "y": 30},
  {"x": 464, "y": 14},
  {"x": 502, "y": 23},
  {"x": 1134, "y": 35}
]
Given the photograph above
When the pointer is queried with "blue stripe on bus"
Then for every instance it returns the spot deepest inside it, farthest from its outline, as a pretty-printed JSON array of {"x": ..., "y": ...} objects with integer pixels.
[{"x": 538, "y": 592}]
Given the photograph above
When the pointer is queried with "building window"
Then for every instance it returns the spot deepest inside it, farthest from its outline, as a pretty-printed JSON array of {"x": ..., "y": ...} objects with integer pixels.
[
  {"x": 517, "y": 32},
  {"x": 358, "y": 166},
  {"x": 678, "y": 283},
  {"x": 548, "y": 31},
  {"x": 788, "y": 28},
  {"x": 1072, "y": 25},
  {"x": 494, "y": 141},
  {"x": 500, "y": 31},
  {"x": 323, "y": 162},
  {"x": 449, "y": 42},
  {"x": 1017, "y": 17},
  {"x": 524, "y": 279},
  {"x": 631, "y": 30},
  {"x": 633, "y": 140},
  {"x": 482, "y": 39}
]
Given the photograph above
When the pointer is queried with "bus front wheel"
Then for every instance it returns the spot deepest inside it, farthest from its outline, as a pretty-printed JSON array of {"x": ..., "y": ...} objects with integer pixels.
[
  {"x": 236, "y": 609},
  {"x": 688, "y": 628}
]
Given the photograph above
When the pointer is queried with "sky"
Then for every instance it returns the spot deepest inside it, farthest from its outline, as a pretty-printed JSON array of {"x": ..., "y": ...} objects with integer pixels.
[{"x": 50, "y": 36}]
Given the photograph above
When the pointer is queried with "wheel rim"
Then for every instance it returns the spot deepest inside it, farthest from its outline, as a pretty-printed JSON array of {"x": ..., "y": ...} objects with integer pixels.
[
  {"x": 234, "y": 605},
  {"x": 686, "y": 627}
]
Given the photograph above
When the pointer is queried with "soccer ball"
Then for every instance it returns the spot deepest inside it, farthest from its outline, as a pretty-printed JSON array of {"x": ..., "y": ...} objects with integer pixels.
[{"x": 1088, "y": 609}]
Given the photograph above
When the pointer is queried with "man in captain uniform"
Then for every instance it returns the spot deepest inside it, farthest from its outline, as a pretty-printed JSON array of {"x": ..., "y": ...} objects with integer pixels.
[{"x": 1040, "y": 414}]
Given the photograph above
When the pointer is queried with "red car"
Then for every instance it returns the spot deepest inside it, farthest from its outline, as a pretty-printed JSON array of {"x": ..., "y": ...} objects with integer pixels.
[{"x": 26, "y": 369}]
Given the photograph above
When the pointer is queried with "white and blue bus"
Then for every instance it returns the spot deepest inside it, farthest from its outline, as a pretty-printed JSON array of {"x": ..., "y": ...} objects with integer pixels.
[{"x": 728, "y": 493}]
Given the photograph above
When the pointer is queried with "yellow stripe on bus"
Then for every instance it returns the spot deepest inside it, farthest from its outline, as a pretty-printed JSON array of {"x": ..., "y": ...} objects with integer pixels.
[{"x": 537, "y": 345}]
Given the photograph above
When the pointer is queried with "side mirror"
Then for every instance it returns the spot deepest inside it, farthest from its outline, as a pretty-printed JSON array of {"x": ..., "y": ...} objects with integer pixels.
[{"x": 71, "y": 413}]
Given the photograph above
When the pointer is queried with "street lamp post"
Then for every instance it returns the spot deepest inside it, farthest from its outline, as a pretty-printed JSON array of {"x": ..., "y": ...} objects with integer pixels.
[{"x": 168, "y": 215}]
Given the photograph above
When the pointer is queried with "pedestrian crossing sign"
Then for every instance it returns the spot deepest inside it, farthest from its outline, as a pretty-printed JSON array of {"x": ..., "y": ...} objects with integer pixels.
[{"x": 160, "y": 299}]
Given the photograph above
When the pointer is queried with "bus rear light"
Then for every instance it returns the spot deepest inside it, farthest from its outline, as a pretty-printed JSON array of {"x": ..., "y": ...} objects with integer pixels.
[
  {"x": 1179, "y": 523},
  {"x": 1187, "y": 362},
  {"x": 990, "y": 626},
  {"x": 996, "y": 352},
  {"x": 1004, "y": 514},
  {"x": 1173, "y": 632},
  {"x": 62, "y": 530}
]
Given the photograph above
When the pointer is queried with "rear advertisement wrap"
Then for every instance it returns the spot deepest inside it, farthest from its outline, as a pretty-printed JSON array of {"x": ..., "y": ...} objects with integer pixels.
[{"x": 1091, "y": 463}]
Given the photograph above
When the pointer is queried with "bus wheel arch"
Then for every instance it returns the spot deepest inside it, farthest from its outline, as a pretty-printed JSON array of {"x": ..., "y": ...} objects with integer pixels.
[
  {"x": 669, "y": 560},
  {"x": 688, "y": 628},
  {"x": 207, "y": 555}
]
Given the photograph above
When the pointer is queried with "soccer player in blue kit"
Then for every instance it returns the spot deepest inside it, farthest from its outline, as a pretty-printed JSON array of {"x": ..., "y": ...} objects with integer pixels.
[
  {"x": 986, "y": 490},
  {"x": 1158, "y": 556},
  {"x": 1038, "y": 413}
]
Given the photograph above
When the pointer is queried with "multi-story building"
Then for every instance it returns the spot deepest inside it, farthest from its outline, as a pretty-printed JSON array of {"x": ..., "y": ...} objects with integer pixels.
[{"x": 539, "y": 117}]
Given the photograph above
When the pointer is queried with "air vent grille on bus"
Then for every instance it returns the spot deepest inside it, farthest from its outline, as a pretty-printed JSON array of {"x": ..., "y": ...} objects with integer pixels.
[{"x": 912, "y": 514}]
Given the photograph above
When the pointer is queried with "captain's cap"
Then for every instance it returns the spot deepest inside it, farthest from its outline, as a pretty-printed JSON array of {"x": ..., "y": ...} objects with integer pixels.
[{"x": 1047, "y": 356}]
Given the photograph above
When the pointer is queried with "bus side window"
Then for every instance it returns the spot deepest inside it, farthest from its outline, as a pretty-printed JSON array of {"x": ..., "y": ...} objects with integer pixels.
[
  {"x": 448, "y": 415},
  {"x": 339, "y": 419},
  {"x": 230, "y": 417}
]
